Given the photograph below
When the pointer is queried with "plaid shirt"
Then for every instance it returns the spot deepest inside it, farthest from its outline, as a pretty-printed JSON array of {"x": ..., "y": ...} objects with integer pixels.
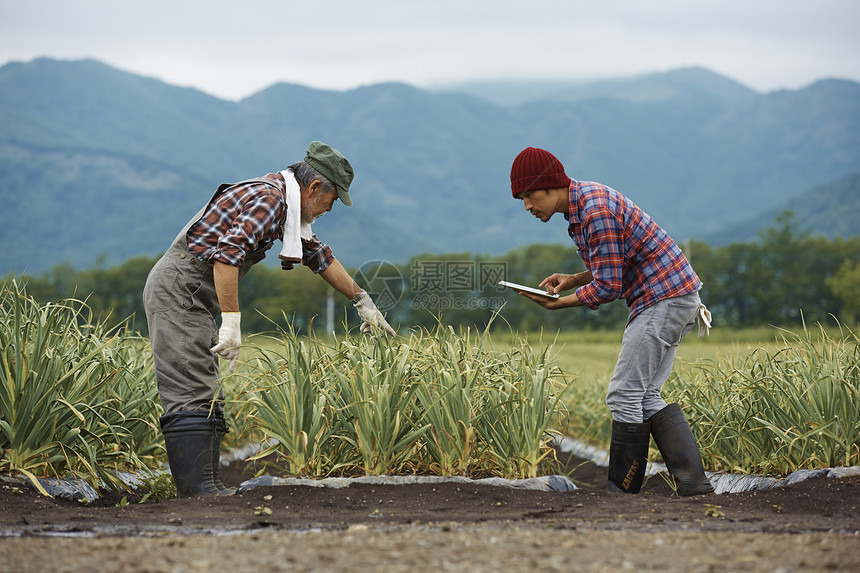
[
  {"x": 628, "y": 254},
  {"x": 246, "y": 218}
]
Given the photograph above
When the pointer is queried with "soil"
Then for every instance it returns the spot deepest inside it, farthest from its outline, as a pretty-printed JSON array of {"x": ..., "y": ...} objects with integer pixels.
[{"x": 808, "y": 526}]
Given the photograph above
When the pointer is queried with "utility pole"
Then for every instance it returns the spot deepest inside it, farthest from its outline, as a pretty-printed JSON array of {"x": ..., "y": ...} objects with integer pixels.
[{"x": 329, "y": 312}]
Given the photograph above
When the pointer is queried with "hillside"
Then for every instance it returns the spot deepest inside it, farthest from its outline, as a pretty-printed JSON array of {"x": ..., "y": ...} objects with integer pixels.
[
  {"x": 831, "y": 210},
  {"x": 96, "y": 161},
  {"x": 678, "y": 84}
]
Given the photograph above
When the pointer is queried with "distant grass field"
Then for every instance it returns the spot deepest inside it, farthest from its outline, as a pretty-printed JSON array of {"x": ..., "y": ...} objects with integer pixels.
[{"x": 592, "y": 355}]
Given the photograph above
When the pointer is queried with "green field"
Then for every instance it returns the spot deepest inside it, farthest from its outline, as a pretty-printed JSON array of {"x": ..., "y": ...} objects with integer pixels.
[
  {"x": 760, "y": 400},
  {"x": 79, "y": 397},
  {"x": 592, "y": 355},
  {"x": 588, "y": 359}
]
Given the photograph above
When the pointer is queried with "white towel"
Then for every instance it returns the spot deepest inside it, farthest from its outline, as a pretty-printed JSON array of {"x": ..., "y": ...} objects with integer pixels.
[
  {"x": 294, "y": 228},
  {"x": 704, "y": 317}
]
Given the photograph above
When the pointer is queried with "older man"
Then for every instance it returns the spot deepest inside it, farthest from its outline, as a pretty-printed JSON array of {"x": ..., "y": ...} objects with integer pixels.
[
  {"x": 197, "y": 280},
  {"x": 626, "y": 255}
]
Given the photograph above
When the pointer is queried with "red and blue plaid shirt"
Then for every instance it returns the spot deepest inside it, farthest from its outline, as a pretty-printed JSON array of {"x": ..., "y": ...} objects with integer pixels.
[
  {"x": 245, "y": 218},
  {"x": 628, "y": 254}
]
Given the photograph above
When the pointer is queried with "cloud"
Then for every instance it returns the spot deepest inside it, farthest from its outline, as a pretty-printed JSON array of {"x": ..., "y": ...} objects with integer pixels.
[{"x": 233, "y": 50}]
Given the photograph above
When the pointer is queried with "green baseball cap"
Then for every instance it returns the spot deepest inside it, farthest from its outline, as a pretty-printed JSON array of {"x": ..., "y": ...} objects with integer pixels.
[{"x": 333, "y": 165}]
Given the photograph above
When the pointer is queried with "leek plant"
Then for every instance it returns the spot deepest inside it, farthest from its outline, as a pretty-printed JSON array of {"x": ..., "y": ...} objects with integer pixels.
[
  {"x": 776, "y": 411},
  {"x": 291, "y": 408},
  {"x": 75, "y": 397},
  {"x": 522, "y": 404},
  {"x": 449, "y": 395},
  {"x": 377, "y": 383},
  {"x": 434, "y": 403}
]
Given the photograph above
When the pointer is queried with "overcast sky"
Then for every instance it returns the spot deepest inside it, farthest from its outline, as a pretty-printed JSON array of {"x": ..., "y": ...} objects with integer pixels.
[{"x": 232, "y": 49}]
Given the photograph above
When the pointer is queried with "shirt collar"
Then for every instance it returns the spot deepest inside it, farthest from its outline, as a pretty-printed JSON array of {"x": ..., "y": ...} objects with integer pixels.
[{"x": 572, "y": 214}]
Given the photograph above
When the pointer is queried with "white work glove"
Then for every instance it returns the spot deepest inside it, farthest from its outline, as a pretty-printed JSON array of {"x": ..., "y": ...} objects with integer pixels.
[
  {"x": 372, "y": 321},
  {"x": 704, "y": 317},
  {"x": 229, "y": 338}
]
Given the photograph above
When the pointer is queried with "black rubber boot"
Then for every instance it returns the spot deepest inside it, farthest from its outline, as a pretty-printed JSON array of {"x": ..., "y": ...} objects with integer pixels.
[
  {"x": 628, "y": 456},
  {"x": 678, "y": 446},
  {"x": 221, "y": 428},
  {"x": 189, "y": 437}
]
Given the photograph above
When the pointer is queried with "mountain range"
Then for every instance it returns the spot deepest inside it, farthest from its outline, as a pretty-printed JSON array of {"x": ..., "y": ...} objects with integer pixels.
[{"x": 101, "y": 164}]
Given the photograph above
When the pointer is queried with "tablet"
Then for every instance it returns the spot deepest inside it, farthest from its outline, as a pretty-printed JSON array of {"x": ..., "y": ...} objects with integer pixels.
[{"x": 523, "y": 288}]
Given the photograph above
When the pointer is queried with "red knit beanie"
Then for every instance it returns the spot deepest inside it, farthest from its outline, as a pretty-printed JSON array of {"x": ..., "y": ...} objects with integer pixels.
[{"x": 536, "y": 168}]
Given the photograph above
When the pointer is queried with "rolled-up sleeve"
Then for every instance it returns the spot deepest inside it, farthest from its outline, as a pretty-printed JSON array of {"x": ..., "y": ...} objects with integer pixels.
[{"x": 316, "y": 255}]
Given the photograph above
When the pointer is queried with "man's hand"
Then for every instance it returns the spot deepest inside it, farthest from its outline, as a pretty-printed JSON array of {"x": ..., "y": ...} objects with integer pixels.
[
  {"x": 558, "y": 282},
  {"x": 553, "y": 303},
  {"x": 372, "y": 320},
  {"x": 229, "y": 338}
]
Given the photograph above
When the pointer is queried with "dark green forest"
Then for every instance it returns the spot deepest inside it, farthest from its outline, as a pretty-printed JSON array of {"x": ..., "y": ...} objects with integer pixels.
[{"x": 784, "y": 277}]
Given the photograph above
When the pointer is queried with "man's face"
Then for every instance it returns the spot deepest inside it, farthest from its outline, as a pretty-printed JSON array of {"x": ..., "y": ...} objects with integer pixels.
[
  {"x": 539, "y": 203},
  {"x": 316, "y": 202}
]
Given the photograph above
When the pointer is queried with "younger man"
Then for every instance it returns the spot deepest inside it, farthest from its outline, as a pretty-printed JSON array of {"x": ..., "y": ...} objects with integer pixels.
[{"x": 626, "y": 255}]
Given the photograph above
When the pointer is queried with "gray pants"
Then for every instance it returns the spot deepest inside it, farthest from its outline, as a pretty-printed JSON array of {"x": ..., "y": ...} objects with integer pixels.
[
  {"x": 647, "y": 354},
  {"x": 181, "y": 306}
]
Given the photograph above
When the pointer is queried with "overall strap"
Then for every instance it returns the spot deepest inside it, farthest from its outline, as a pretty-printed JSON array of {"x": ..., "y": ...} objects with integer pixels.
[{"x": 224, "y": 186}]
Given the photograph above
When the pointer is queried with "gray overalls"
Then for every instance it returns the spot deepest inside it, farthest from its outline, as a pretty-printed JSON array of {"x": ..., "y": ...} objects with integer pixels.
[{"x": 181, "y": 308}]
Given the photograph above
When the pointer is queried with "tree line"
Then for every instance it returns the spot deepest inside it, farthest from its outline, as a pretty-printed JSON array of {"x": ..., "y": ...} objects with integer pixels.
[{"x": 784, "y": 277}]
